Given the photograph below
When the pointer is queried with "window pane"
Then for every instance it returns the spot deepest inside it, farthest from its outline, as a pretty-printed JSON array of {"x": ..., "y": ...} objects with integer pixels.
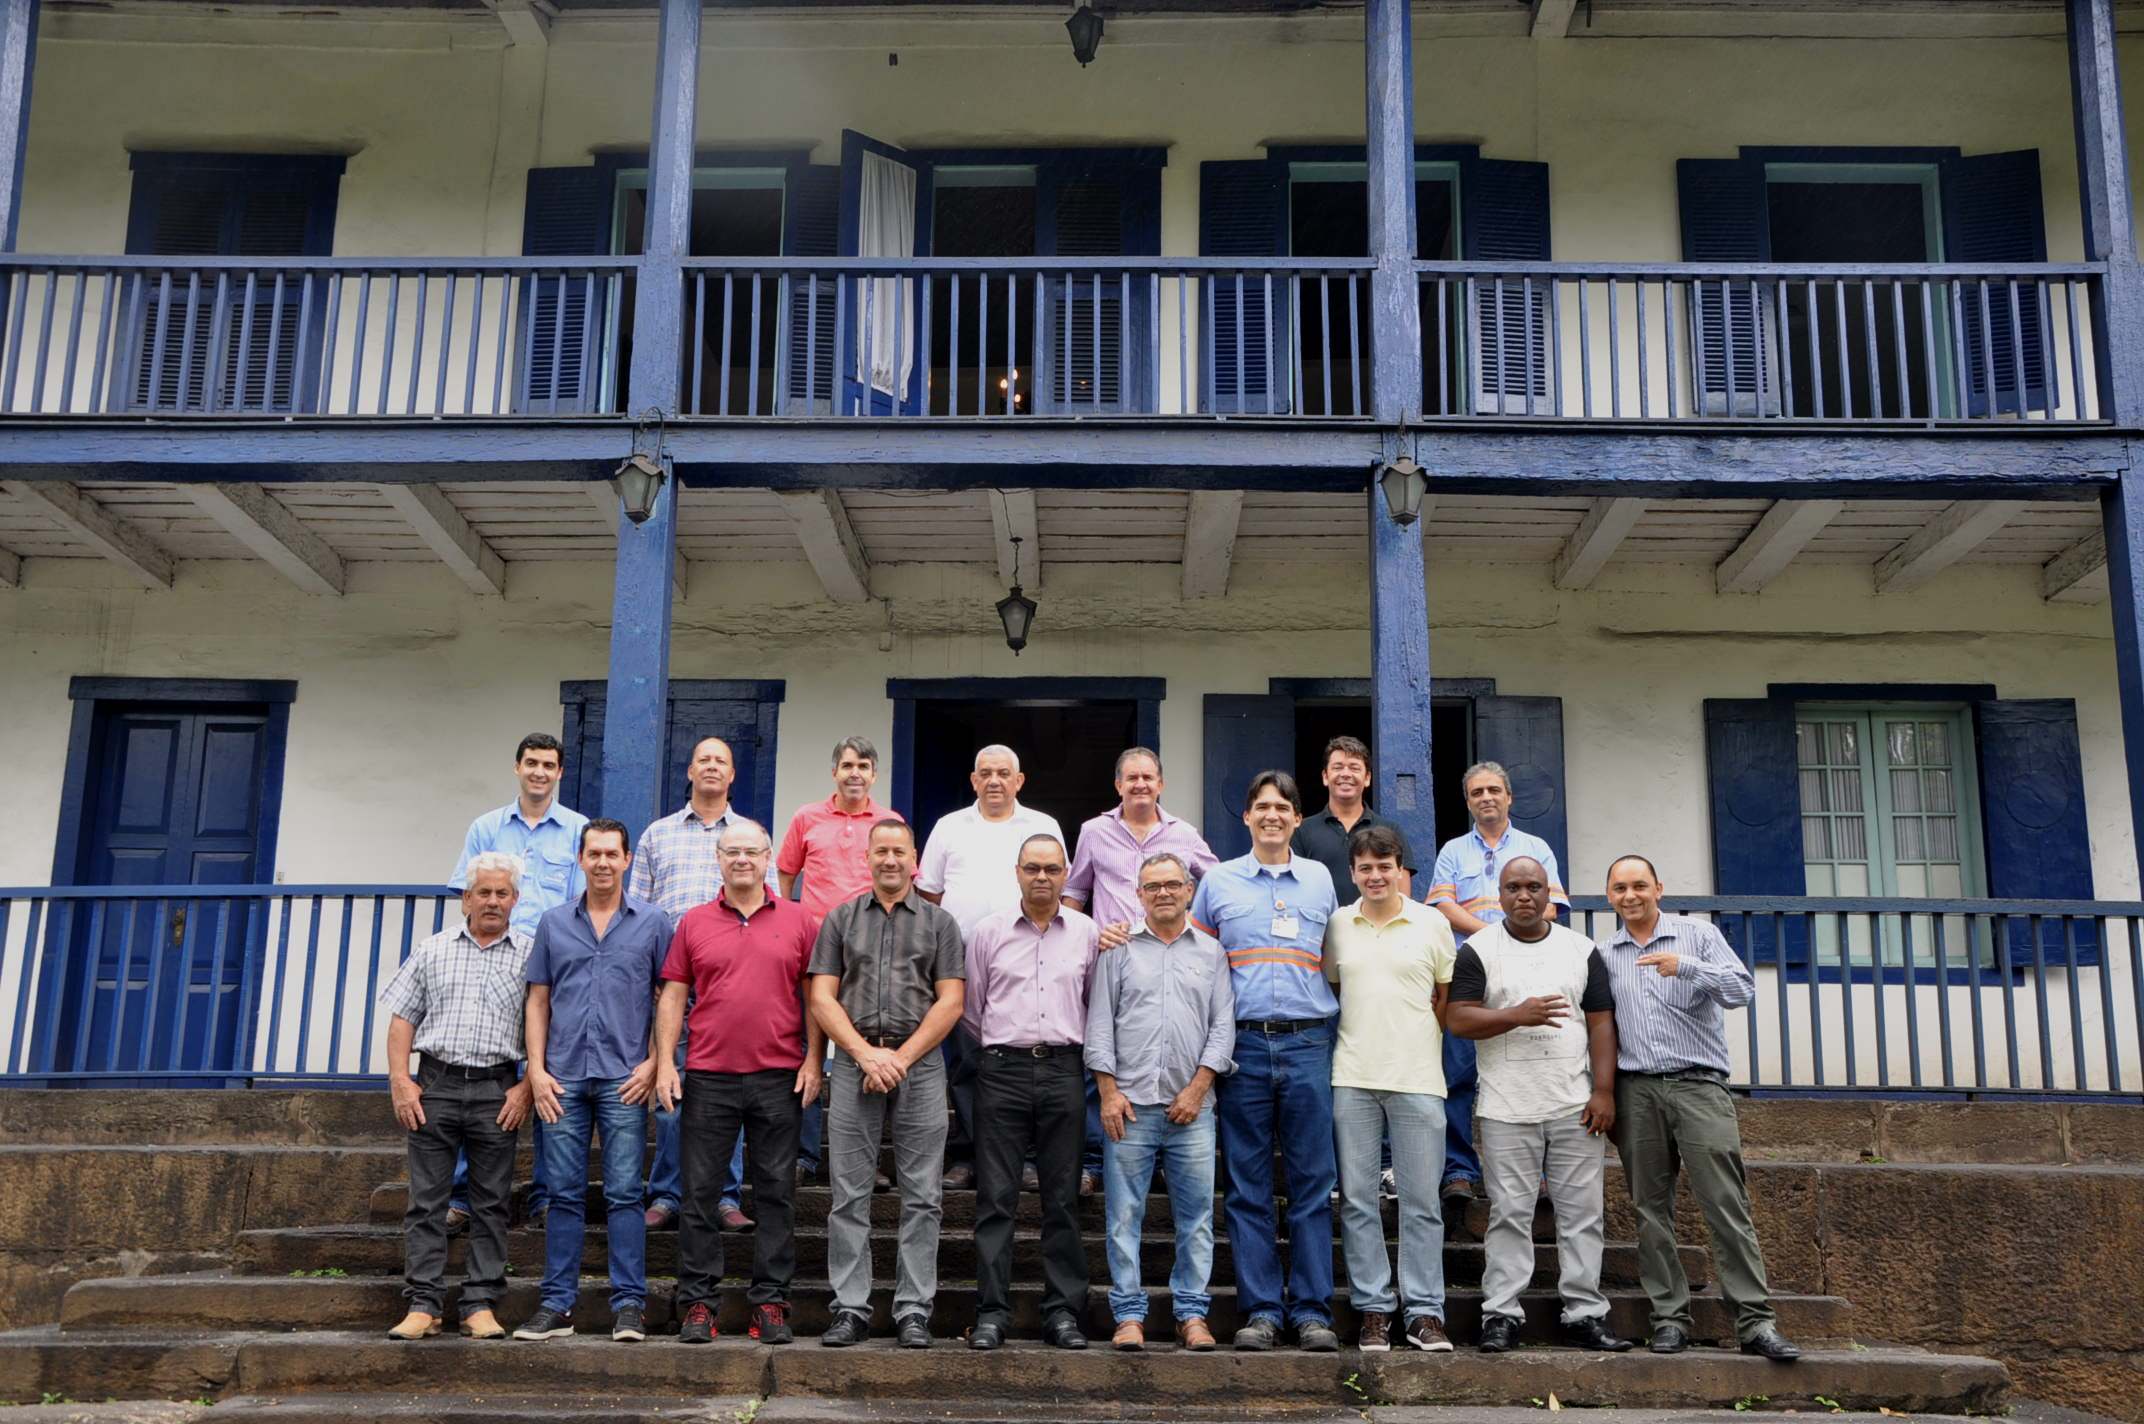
[
  {"x": 1906, "y": 832},
  {"x": 1813, "y": 798},
  {"x": 1935, "y": 744},
  {"x": 1943, "y": 838},
  {"x": 1905, "y": 790},
  {"x": 1936, "y": 787},
  {"x": 1816, "y": 838},
  {"x": 1809, "y": 743},
  {"x": 1853, "y": 838},
  {"x": 1903, "y": 752},
  {"x": 1846, "y": 790},
  {"x": 1844, "y": 747}
]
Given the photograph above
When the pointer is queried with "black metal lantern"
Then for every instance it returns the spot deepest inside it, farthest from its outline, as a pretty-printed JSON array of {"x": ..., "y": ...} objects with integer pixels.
[
  {"x": 639, "y": 478},
  {"x": 1085, "y": 27},
  {"x": 1016, "y": 610},
  {"x": 1405, "y": 484}
]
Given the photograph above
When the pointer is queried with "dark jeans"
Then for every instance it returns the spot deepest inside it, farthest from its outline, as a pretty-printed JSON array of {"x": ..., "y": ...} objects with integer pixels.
[
  {"x": 665, "y": 1177},
  {"x": 717, "y": 1107},
  {"x": 1461, "y": 1162},
  {"x": 1027, "y": 1104},
  {"x": 539, "y": 1188},
  {"x": 461, "y": 1115}
]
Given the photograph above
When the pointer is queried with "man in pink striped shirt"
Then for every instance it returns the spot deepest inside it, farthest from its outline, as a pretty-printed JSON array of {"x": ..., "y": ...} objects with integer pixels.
[{"x": 826, "y": 840}]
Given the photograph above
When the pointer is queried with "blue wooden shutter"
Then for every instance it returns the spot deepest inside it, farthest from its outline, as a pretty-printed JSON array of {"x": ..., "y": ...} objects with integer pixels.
[
  {"x": 1524, "y": 735},
  {"x": 1992, "y": 213},
  {"x": 1503, "y": 217},
  {"x": 2033, "y": 812},
  {"x": 1245, "y": 734},
  {"x": 744, "y": 712},
  {"x": 1725, "y": 219},
  {"x": 1751, "y": 765},
  {"x": 568, "y": 214},
  {"x": 1096, "y": 209},
  {"x": 1243, "y": 212},
  {"x": 811, "y": 227}
]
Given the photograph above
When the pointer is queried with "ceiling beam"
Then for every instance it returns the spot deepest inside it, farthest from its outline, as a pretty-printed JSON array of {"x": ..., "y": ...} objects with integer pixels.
[
  {"x": 10, "y": 569},
  {"x": 1210, "y": 541},
  {"x": 1012, "y": 515},
  {"x": 1596, "y": 539},
  {"x": 448, "y": 535},
  {"x": 1943, "y": 541},
  {"x": 2079, "y": 573},
  {"x": 103, "y": 531},
  {"x": 527, "y": 22},
  {"x": 1765, "y": 552},
  {"x": 821, "y": 521},
  {"x": 608, "y": 509},
  {"x": 272, "y": 533},
  {"x": 1552, "y": 18}
]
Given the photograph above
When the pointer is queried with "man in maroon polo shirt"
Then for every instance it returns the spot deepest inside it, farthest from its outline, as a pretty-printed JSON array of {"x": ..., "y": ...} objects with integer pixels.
[{"x": 754, "y": 1062}]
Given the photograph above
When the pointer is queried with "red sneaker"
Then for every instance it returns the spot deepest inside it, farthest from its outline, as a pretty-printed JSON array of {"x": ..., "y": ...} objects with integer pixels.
[
  {"x": 698, "y": 1327},
  {"x": 770, "y": 1324}
]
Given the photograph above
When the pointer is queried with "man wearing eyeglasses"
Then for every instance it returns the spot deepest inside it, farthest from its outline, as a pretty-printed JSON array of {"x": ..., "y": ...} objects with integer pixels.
[{"x": 1464, "y": 889}]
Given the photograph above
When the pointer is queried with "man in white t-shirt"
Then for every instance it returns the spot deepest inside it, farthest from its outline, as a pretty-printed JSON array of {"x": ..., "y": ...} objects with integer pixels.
[
  {"x": 968, "y": 868},
  {"x": 1535, "y": 997},
  {"x": 1391, "y": 958}
]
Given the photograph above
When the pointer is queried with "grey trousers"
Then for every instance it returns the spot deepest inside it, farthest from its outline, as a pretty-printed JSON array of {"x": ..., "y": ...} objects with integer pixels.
[
  {"x": 1515, "y": 1159},
  {"x": 855, "y": 1121}
]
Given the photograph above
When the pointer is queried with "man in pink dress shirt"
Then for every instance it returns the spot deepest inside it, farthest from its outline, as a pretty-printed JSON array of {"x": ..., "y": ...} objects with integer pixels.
[
  {"x": 1114, "y": 844},
  {"x": 1028, "y": 971}
]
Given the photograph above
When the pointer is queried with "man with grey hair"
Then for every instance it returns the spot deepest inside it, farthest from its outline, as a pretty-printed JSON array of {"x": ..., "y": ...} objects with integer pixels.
[
  {"x": 967, "y": 869},
  {"x": 1464, "y": 889},
  {"x": 457, "y": 1004}
]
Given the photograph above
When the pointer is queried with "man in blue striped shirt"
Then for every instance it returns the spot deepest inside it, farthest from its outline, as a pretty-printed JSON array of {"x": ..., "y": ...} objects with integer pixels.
[
  {"x": 1674, "y": 979},
  {"x": 1269, "y": 910}
]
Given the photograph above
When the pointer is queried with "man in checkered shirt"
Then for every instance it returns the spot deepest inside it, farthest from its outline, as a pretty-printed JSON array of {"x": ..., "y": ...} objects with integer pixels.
[{"x": 456, "y": 1004}]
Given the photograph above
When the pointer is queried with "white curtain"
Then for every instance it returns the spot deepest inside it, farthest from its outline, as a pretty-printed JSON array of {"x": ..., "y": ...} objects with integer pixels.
[{"x": 886, "y": 228}]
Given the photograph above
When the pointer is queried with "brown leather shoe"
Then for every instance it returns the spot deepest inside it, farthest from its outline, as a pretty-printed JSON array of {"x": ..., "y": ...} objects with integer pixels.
[
  {"x": 482, "y": 1325},
  {"x": 1131, "y": 1335},
  {"x": 415, "y": 1326},
  {"x": 1194, "y": 1334}
]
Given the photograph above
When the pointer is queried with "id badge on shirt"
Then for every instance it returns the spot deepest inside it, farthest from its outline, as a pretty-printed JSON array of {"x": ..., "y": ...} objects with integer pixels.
[{"x": 1285, "y": 924}]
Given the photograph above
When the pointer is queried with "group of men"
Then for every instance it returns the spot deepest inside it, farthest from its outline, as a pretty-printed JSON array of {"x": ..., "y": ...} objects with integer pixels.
[{"x": 1088, "y": 1020}]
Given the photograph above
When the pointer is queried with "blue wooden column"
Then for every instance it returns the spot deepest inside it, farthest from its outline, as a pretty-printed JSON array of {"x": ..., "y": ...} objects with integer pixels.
[
  {"x": 1399, "y": 598},
  {"x": 637, "y": 714},
  {"x": 18, "y": 53}
]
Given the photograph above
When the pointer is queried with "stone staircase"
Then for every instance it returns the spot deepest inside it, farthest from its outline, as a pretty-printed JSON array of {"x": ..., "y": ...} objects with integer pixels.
[{"x": 292, "y": 1328}]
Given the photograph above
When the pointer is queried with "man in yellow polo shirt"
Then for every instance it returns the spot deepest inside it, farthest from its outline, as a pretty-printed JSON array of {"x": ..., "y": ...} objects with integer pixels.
[{"x": 1391, "y": 959}]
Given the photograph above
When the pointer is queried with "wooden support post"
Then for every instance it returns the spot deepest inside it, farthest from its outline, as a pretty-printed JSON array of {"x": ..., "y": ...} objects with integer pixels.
[
  {"x": 18, "y": 54},
  {"x": 1399, "y": 678},
  {"x": 2109, "y": 216},
  {"x": 2122, "y": 516},
  {"x": 637, "y": 714},
  {"x": 1395, "y": 319}
]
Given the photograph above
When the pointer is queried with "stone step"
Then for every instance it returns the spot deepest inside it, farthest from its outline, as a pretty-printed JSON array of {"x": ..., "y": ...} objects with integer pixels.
[
  {"x": 806, "y": 1382},
  {"x": 377, "y": 1250},
  {"x": 217, "y": 1300},
  {"x": 811, "y": 1409}
]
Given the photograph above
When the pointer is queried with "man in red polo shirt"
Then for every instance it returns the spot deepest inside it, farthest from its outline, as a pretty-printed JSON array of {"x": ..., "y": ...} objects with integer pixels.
[
  {"x": 754, "y": 1062},
  {"x": 827, "y": 840}
]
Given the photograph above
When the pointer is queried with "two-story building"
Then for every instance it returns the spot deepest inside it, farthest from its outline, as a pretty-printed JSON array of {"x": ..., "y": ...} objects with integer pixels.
[{"x": 1721, "y": 416}]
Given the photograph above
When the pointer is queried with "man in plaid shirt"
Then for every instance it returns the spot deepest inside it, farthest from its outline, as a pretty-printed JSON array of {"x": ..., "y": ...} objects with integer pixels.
[{"x": 456, "y": 1004}]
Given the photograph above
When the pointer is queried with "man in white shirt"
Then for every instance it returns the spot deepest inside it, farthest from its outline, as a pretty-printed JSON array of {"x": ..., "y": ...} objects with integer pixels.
[{"x": 967, "y": 868}]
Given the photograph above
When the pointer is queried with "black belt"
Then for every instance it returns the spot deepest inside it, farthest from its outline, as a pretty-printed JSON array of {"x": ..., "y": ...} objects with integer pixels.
[
  {"x": 1039, "y": 1050},
  {"x": 888, "y": 1040},
  {"x": 439, "y": 1067},
  {"x": 1689, "y": 1075},
  {"x": 1275, "y": 1026}
]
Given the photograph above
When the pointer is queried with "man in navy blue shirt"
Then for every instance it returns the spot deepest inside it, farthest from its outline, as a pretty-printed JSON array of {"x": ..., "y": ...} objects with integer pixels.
[{"x": 592, "y": 978}]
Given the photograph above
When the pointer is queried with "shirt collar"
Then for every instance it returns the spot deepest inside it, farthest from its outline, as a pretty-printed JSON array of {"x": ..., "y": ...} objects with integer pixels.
[
  {"x": 580, "y": 906},
  {"x": 1662, "y": 927},
  {"x": 1483, "y": 841},
  {"x": 550, "y": 815},
  {"x": 690, "y": 817},
  {"x": 871, "y": 807},
  {"x": 722, "y": 898},
  {"x": 906, "y": 902},
  {"x": 1367, "y": 818},
  {"x": 1139, "y": 929},
  {"x": 504, "y": 939},
  {"x": 1409, "y": 910},
  {"x": 1259, "y": 867},
  {"x": 1165, "y": 820}
]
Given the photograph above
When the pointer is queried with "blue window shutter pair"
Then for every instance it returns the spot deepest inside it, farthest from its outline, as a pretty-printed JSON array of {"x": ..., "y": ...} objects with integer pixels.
[
  {"x": 2032, "y": 811},
  {"x": 811, "y": 227},
  {"x": 567, "y": 214},
  {"x": 1504, "y": 217},
  {"x": 1722, "y": 202}
]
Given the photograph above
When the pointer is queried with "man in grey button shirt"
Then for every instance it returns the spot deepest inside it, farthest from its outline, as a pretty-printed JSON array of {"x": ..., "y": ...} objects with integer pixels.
[{"x": 1161, "y": 1026}]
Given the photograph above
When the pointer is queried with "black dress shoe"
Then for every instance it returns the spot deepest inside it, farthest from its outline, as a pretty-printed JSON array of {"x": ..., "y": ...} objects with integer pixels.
[
  {"x": 847, "y": 1328},
  {"x": 1498, "y": 1334},
  {"x": 1769, "y": 1343},
  {"x": 1593, "y": 1333},
  {"x": 912, "y": 1332},
  {"x": 1064, "y": 1333},
  {"x": 959, "y": 1177},
  {"x": 987, "y": 1335},
  {"x": 1669, "y": 1340}
]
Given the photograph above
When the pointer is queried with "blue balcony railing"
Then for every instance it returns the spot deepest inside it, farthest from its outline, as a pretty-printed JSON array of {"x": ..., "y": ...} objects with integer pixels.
[{"x": 220, "y": 985}]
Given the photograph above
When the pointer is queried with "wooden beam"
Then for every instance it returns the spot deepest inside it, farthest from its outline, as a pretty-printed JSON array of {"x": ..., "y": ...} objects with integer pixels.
[
  {"x": 837, "y": 556},
  {"x": 1552, "y": 18},
  {"x": 448, "y": 535},
  {"x": 2079, "y": 573},
  {"x": 90, "y": 522},
  {"x": 272, "y": 533},
  {"x": 1595, "y": 540},
  {"x": 1395, "y": 311},
  {"x": 1949, "y": 537},
  {"x": 18, "y": 56},
  {"x": 1765, "y": 552},
  {"x": 10, "y": 569},
  {"x": 1210, "y": 541},
  {"x": 527, "y": 22},
  {"x": 1012, "y": 514},
  {"x": 607, "y": 509}
]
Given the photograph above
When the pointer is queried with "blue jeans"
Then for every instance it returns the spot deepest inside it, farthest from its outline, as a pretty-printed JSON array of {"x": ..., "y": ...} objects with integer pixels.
[
  {"x": 1186, "y": 1155},
  {"x": 666, "y": 1176},
  {"x": 1281, "y": 1092},
  {"x": 589, "y": 1104},
  {"x": 1460, "y": 1162},
  {"x": 539, "y": 1194},
  {"x": 1414, "y": 1123}
]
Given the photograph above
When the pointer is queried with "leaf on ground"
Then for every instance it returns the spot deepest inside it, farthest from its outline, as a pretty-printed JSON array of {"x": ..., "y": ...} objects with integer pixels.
[{"x": 1555, "y": 1405}]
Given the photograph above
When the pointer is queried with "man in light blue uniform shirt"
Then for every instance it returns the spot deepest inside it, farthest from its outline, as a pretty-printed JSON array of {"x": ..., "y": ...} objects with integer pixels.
[
  {"x": 1269, "y": 910},
  {"x": 1464, "y": 890},
  {"x": 547, "y": 838}
]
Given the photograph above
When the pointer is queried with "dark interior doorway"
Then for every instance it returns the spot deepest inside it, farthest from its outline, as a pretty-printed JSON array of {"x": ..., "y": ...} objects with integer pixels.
[
  {"x": 1451, "y": 750},
  {"x": 1068, "y": 747},
  {"x": 1871, "y": 222}
]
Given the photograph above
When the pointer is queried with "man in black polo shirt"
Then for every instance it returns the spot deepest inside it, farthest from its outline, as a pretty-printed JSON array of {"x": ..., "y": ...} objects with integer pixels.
[{"x": 1323, "y": 834}]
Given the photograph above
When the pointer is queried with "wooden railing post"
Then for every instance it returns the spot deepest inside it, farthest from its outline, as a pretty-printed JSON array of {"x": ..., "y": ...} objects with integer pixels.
[
  {"x": 18, "y": 54},
  {"x": 2109, "y": 215}
]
